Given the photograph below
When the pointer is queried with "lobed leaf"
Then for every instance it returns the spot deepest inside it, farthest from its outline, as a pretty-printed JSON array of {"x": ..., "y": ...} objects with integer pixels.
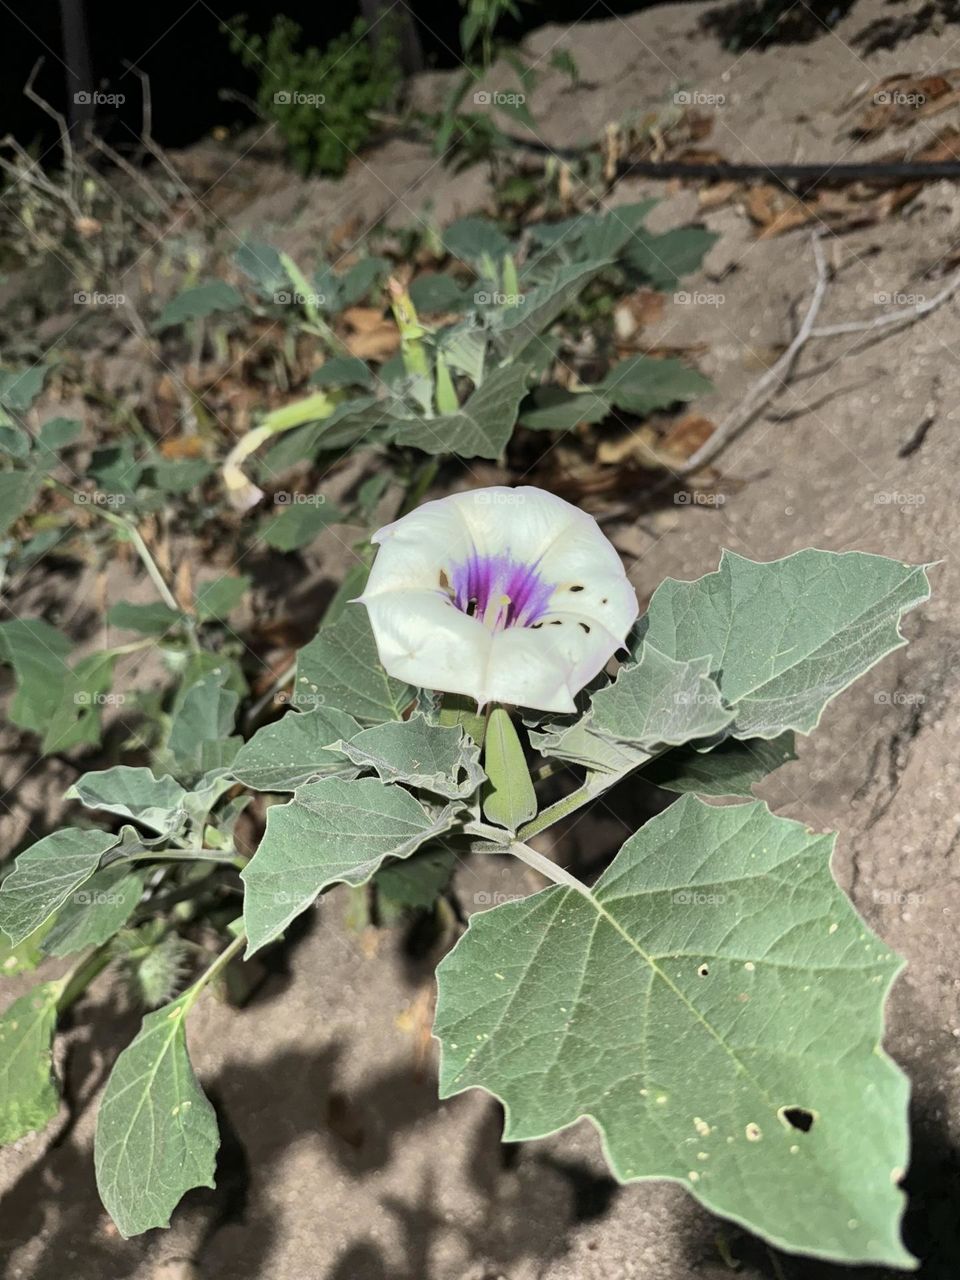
[
  {"x": 714, "y": 1006},
  {"x": 440, "y": 759},
  {"x": 46, "y": 874},
  {"x": 296, "y": 749},
  {"x": 340, "y": 666}
]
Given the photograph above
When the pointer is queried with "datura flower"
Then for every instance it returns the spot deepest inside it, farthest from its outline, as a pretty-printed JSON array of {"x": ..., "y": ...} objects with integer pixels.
[{"x": 506, "y": 595}]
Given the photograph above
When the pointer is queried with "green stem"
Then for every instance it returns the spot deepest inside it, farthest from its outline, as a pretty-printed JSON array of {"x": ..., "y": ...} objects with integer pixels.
[
  {"x": 554, "y": 812},
  {"x": 221, "y": 962},
  {"x": 549, "y": 869},
  {"x": 187, "y": 855}
]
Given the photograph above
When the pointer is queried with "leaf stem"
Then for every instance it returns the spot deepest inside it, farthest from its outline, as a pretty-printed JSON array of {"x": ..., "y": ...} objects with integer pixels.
[
  {"x": 548, "y": 868},
  {"x": 208, "y": 975},
  {"x": 76, "y": 980},
  {"x": 554, "y": 812}
]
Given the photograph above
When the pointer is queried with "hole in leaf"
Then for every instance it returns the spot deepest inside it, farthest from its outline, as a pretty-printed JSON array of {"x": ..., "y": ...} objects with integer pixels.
[
  {"x": 702, "y": 971},
  {"x": 585, "y": 627},
  {"x": 797, "y": 1118}
]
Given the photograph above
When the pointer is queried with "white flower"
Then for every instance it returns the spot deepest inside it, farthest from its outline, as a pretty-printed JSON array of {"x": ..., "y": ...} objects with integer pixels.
[{"x": 505, "y": 595}]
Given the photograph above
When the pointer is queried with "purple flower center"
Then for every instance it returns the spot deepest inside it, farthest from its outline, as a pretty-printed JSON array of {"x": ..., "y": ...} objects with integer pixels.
[{"x": 500, "y": 591}]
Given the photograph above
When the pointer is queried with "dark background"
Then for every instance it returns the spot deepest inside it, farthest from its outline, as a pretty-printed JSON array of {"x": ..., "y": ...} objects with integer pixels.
[{"x": 181, "y": 47}]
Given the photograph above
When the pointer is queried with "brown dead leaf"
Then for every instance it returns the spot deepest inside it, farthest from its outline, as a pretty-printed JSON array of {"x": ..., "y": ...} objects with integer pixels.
[
  {"x": 717, "y": 194},
  {"x": 687, "y": 434},
  {"x": 641, "y": 445},
  {"x": 183, "y": 586},
  {"x": 644, "y": 307},
  {"x": 373, "y": 336},
  {"x": 178, "y": 448},
  {"x": 899, "y": 100}
]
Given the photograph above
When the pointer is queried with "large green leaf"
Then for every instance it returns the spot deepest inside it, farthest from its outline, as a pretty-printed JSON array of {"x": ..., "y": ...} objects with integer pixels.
[
  {"x": 20, "y": 387},
  {"x": 785, "y": 637},
  {"x": 715, "y": 1006},
  {"x": 340, "y": 667},
  {"x": 298, "y": 523},
  {"x": 28, "y": 1095},
  {"x": 728, "y": 769},
  {"x": 295, "y": 749},
  {"x": 156, "y": 1132},
  {"x": 483, "y": 424},
  {"x": 331, "y": 832},
  {"x": 662, "y": 259},
  {"x": 440, "y": 759},
  {"x": 46, "y": 875},
  {"x": 85, "y": 691}
]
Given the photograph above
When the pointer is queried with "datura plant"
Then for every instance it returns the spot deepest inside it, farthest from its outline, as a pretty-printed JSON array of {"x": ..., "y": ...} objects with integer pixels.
[{"x": 713, "y": 1003}]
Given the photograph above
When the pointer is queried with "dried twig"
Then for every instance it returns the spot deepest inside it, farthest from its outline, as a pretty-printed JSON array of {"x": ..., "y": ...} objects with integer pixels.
[{"x": 775, "y": 377}]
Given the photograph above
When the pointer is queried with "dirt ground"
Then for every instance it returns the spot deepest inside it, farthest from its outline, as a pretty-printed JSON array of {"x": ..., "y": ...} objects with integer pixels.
[{"x": 338, "y": 1162}]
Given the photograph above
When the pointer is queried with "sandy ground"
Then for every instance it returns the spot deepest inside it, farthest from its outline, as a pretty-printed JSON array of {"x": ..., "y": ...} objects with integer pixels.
[{"x": 338, "y": 1162}]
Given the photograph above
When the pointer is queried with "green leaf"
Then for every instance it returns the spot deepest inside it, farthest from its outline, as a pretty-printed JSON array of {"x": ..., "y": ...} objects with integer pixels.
[
  {"x": 437, "y": 758},
  {"x": 342, "y": 371},
  {"x": 729, "y": 769},
  {"x": 24, "y": 956},
  {"x": 199, "y": 302},
  {"x": 84, "y": 692},
  {"x": 132, "y": 791},
  {"x": 641, "y": 384},
  {"x": 471, "y": 239},
  {"x": 202, "y": 722},
  {"x": 46, "y": 875},
  {"x": 28, "y": 1094},
  {"x": 557, "y": 410},
  {"x": 218, "y": 599},
  {"x": 153, "y": 619},
  {"x": 296, "y": 749},
  {"x": 510, "y": 798},
  {"x": 298, "y": 523},
  {"x": 653, "y": 703},
  {"x": 340, "y": 667},
  {"x": 262, "y": 264},
  {"x": 156, "y": 1132},
  {"x": 57, "y": 433},
  {"x": 433, "y": 293},
  {"x": 714, "y": 983},
  {"x": 37, "y": 652},
  {"x": 179, "y": 475},
  {"x": 20, "y": 387},
  {"x": 17, "y": 492},
  {"x": 663, "y": 259},
  {"x": 606, "y": 234},
  {"x": 786, "y": 637},
  {"x": 331, "y": 832},
  {"x": 361, "y": 278},
  {"x": 93, "y": 914},
  {"x": 515, "y": 326},
  {"x": 14, "y": 441},
  {"x": 482, "y": 427}
]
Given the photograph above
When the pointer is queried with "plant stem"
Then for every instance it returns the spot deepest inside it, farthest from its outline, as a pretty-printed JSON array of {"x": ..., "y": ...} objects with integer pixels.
[
  {"x": 547, "y": 868},
  {"x": 554, "y": 812},
  {"x": 187, "y": 855},
  {"x": 208, "y": 975}
]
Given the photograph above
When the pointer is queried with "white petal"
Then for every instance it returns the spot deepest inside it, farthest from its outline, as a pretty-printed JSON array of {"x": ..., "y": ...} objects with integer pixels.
[
  {"x": 543, "y": 667},
  {"x": 415, "y": 548},
  {"x": 423, "y": 639}
]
